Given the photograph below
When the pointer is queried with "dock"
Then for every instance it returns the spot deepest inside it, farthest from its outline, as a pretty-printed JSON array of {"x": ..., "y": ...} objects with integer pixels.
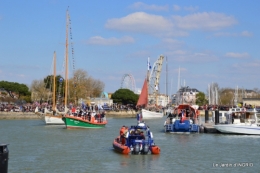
[{"x": 208, "y": 128}]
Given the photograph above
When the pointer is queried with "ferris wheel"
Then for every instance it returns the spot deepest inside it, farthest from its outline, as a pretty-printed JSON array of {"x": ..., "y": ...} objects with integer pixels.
[{"x": 128, "y": 82}]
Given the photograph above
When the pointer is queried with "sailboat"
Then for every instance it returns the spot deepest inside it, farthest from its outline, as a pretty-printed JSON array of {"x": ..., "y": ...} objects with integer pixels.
[
  {"x": 55, "y": 116},
  {"x": 93, "y": 120},
  {"x": 147, "y": 112},
  {"x": 50, "y": 117}
]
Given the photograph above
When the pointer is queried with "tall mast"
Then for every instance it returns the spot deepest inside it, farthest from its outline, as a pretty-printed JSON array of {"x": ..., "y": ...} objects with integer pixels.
[
  {"x": 147, "y": 77},
  {"x": 178, "y": 87},
  {"x": 54, "y": 82},
  {"x": 66, "y": 59},
  {"x": 167, "y": 81}
]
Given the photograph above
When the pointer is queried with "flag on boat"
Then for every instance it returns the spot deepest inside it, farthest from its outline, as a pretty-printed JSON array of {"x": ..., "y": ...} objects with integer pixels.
[
  {"x": 83, "y": 105},
  {"x": 148, "y": 64}
]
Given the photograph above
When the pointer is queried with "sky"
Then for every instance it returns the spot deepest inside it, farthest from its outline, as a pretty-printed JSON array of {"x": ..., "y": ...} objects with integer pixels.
[{"x": 208, "y": 41}]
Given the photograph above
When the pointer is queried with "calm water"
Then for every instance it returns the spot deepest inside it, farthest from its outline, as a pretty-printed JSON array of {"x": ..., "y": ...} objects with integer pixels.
[{"x": 35, "y": 147}]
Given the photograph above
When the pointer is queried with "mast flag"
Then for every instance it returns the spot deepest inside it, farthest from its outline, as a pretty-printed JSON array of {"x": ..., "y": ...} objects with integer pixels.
[{"x": 148, "y": 64}]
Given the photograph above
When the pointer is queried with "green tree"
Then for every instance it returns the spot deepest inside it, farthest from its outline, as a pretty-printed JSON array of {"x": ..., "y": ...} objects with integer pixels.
[
  {"x": 201, "y": 99},
  {"x": 14, "y": 87},
  {"x": 125, "y": 96},
  {"x": 59, "y": 83}
]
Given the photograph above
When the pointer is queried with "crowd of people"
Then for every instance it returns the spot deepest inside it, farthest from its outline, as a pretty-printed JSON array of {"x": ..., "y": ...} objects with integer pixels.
[
  {"x": 123, "y": 134},
  {"x": 225, "y": 107},
  {"x": 17, "y": 108}
]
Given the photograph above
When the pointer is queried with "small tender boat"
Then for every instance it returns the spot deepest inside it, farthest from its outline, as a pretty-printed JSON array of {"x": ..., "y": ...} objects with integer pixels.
[
  {"x": 184, "y": 119},
  {"x": 136, "y": 140},
  {"x": 85, "y": 121}
]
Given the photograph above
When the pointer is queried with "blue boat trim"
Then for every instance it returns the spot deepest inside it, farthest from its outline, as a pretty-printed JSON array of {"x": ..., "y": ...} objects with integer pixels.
[{"x": 184, "y": 126}]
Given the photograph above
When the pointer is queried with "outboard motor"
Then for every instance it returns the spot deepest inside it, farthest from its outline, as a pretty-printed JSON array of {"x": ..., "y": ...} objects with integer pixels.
[
  {"x": 145, "y": 149},
  {"x": 136, "y": 149}
]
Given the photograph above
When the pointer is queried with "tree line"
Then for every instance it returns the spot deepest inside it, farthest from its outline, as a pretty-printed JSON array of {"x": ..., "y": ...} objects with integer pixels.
[{"x": 82, "y": 85}]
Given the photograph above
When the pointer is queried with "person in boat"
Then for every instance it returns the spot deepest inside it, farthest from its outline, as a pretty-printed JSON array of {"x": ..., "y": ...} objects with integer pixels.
[
  {"x": 98, "y": 117},
  {"x": 121, "y": 133},
  {"x": 80, "y": 113},
  {"x": 103, "y": 116},
  {"x": 123, "y": 137},
  {"x": 87, "y": 115},
  {"x": 170, "y": 116},
  {"x": 125, "y": 132},
  {"x": 73, "y": 111},
  {"x": 139, "y": 117},
  {"x": 233, "y": 117},
  {"x": 182, "y": 116},
  {"x": 137, "y": 131},
  {"x": 142, "y": 135},
  {"x": 132, "y": 132}
]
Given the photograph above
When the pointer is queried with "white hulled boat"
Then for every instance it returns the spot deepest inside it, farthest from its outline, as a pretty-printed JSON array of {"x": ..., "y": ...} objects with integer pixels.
[
  {"x": 147, "y": 114},
  {"x": 146, "y": 111},
  {"x": 51, "y": 117},
  {"x": 241, "y": 121}
]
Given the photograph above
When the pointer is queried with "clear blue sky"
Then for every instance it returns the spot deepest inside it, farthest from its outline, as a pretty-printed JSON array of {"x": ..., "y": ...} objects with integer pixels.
[{"x": 211, "y": 41}]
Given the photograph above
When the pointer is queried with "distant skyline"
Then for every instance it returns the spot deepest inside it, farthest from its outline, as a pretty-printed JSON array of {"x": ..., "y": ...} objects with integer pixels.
[{"x": 210, "y": 41}]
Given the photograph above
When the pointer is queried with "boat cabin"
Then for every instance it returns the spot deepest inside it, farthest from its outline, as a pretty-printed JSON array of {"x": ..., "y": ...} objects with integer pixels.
[{"x": 237, "y": 116}]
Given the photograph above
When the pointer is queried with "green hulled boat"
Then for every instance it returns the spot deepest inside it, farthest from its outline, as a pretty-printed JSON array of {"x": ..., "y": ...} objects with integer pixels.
[{"x": 82, "y": 122}]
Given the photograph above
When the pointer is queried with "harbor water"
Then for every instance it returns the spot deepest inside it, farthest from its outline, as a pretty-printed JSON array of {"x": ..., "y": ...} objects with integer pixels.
[{"x": 36, "y": 147}]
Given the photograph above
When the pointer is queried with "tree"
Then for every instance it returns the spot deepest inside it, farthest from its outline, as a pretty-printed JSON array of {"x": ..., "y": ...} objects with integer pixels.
[
  {"x": 59, "y": 83},
  {"x": 201, "y": 99},
  {"x": 125, "y": 96},
  {"x": 15, "y": 88},
  {"x": 39, "y": 91},
  {"x": 82, "y": 86},
  {"x": 226, "y": 96}
]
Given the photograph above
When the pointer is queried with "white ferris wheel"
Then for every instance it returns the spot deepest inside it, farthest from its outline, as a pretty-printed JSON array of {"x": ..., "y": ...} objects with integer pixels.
[{"x": 128, "y": 82}]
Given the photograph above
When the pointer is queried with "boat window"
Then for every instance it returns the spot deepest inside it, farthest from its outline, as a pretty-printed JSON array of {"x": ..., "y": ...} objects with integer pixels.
[{"x": 258, "y": 118}]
